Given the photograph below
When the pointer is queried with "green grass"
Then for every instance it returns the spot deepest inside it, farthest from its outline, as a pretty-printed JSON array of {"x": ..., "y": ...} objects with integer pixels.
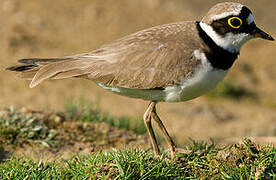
[
  {"x": 80, "y": 110},
  {"x": 243, "y": 161}
]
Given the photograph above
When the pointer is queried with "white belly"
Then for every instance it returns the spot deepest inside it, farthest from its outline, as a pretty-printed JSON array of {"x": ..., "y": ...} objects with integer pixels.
[{"x": 204, "y": 79}]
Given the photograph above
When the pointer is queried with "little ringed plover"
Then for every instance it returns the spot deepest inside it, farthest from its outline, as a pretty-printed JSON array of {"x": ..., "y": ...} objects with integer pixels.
[{"x": 167, "y": 63}]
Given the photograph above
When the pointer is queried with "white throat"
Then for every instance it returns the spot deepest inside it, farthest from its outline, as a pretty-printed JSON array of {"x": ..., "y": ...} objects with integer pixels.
[{"x": 230, "y": 42}]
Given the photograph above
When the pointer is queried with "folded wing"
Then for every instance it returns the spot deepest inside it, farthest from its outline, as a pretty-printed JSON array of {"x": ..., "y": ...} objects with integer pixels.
[{"x": 153, "y": 58}]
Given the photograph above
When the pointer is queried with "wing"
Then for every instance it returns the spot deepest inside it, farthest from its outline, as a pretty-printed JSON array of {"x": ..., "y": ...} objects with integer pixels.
[{"x": 153, "y": 58}]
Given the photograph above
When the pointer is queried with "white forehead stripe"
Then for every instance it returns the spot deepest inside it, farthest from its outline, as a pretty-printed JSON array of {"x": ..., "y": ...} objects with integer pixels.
[
  {"x": 235, "y": 12},
  {"x": 250, "y": 19}
]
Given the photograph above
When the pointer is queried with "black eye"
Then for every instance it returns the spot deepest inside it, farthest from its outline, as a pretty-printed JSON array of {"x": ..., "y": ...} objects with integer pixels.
[{"x": 235, "y": 22}]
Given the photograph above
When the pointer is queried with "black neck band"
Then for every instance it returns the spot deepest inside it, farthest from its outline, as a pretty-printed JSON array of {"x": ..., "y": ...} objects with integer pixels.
[{"x": 217, "y": 56}]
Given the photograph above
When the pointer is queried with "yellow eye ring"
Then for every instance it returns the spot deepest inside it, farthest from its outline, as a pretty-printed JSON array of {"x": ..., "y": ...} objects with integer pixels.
[{"x": 235, "y": 22}]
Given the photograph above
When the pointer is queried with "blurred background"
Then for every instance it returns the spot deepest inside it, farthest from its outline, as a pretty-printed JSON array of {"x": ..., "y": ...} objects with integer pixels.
[{"x": 244, "y": 105}]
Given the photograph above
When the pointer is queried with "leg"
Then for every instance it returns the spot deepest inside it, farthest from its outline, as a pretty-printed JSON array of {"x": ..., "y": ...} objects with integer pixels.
[
  {"x": 164, "y": 131},
  {"x": 147, "y": 120}
]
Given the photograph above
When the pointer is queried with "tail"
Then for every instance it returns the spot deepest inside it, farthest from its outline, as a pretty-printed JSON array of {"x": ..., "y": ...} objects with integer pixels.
[{"x": 38, "y": 70}]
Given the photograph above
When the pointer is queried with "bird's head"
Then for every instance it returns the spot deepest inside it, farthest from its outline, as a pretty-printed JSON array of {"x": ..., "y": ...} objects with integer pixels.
[{"x": 230, "y": 25}]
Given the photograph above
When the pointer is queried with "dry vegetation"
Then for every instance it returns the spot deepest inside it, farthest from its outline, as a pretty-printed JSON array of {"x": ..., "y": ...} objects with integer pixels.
[{"x": 37, "y": 28}]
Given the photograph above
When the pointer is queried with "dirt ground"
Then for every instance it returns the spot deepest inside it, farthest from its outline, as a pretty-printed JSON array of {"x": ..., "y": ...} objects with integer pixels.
[
  {"x": 51, "y": 135},
  {"x": 37, "y": 28}
]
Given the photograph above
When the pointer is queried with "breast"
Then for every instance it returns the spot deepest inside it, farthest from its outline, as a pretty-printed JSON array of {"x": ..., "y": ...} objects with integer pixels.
[
  {"x": 202, "y": 80},
  {"x": 201, "y": 83}
]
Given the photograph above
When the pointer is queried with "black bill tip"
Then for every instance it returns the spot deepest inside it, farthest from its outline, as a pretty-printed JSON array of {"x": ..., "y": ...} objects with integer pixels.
[{"x": 258, "y": 33}]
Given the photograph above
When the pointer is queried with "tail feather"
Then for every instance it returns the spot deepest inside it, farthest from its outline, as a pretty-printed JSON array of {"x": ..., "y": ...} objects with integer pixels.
[
  {"x": 41, "y": 60},
  {"x": 38, "y": 70},
  {"x": 22, "y": 68}
]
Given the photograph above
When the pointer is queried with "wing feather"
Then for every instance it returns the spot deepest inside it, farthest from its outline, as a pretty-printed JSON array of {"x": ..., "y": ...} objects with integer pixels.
[{"x": 153, "y": 58}]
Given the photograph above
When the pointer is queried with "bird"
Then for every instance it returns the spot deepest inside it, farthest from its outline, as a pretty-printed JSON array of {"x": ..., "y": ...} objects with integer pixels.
[{"x": 172, "y": 62}]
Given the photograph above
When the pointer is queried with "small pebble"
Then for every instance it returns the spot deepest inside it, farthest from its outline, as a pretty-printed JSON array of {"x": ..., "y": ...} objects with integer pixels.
[
  {"x": 24, "y": 110},
  {"x": 58, "y": 119}
]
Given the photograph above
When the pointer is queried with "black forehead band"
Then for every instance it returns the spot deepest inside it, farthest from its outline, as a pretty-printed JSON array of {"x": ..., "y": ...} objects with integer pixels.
[{"x": 245, "y": 12}]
